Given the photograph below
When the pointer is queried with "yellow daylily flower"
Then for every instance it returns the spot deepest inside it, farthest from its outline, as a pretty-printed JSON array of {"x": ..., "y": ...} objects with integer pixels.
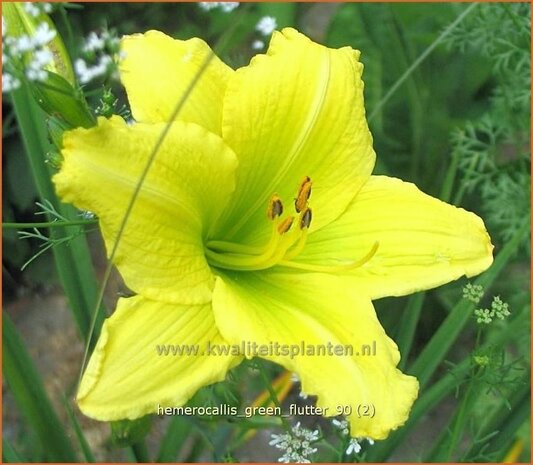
[{"x": 259, "y": 221}]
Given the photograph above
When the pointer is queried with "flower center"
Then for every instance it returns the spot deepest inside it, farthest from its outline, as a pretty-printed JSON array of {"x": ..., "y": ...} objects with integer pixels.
[{"x": 287, "y": 240}]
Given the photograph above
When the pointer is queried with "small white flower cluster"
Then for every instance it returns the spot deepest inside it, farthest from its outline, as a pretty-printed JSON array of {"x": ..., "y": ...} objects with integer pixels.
[
  {"x": 35, "y": 9},
  {"x": 226, "y": 7},
  {"x": 354, "y": 446},
  {"x": 498, "y": 309},
  {"x": 296, "y": 445},
  {"x": 266, "y": 25},
  {"x": 473, "y": 292},
  {"x": 342, "y": 426},
  {"x": 25, "y": 55},
  {"x": 98, "y": 52}
]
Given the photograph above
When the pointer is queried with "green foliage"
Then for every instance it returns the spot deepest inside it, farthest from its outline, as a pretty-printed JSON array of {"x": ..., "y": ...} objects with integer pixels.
[{"x": 493, "y": 149}]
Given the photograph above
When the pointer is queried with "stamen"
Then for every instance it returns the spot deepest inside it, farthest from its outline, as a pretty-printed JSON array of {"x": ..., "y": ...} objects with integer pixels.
[
  {"x": 305, "y": 221},
  {"x": 334, "y": 268},
  {"x": 275, "y": 207},
  {"x": 243, "y": 261},
  {"x": 297, "y": 249},
  {"x": 285, "y": 225},
  {"x": 305, "y": 218},
  {"x": 271, "y": 257},
  {"x": 304, "y": 192},
  {"x": 232, "y": 247}
]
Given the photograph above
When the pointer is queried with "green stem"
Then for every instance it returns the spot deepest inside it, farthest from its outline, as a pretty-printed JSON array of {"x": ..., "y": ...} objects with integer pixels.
[
  {"x": 73, "y": 263},
  {"x": 419, "y": 60},
  {"x": 140, "y": 451},
  {"x": 44, "y": 85},
  {"x": 272, "y": 393},
  {"x": 406, "y": 330},
  {"x": 31, "y": 398},
  {"x": 9, "y": 454},
  {"x": 48, "y": 224},
  {"x": 441, "y": 342},
  {"x": 432, "y": 396}
]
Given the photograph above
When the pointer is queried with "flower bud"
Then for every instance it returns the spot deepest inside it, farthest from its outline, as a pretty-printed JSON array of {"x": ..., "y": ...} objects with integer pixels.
[
  {"x": 20, "y": 23},
  {"x": 36, "y": 52}
]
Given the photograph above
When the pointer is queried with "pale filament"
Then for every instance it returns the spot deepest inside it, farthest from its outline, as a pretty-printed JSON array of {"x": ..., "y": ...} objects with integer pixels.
[{"x": 287, "y": 240}]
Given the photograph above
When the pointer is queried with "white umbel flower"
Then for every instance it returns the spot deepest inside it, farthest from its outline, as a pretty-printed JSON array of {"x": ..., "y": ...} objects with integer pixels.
[
  {"x": 296, "y": 445},
  {"x": 353, "y": 447},
  {"x": 342, "y": 426},
  {"x": 258, "y": 45},
  {"x": 266, "y": 25},
  {"x": 43, "y": 35},
  {"x": 9, "y": 83},
  {"x": 226, "y": 7}
]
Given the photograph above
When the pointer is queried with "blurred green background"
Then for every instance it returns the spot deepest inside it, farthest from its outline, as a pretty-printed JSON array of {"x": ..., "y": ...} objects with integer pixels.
[{"x": 457, "y": 125}]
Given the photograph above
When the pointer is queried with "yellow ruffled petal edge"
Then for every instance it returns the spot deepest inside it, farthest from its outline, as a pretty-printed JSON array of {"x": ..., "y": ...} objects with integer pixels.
[
  {"x": 290, "y": 309},
  {"x": 157, "y": 70},
  {"x": 297, "y": 111},
  {"x": 160, "y": 253},
  {"x": 127, "y": 377},
  {"x": 422, "y": 241}
]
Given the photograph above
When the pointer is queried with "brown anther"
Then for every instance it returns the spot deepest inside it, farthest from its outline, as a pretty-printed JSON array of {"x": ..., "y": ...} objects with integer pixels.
[
  {"x": 304, "y": 192},
  {"x": 275, "y": 207},
  {"x": 285, "y": 225},
  {"x": 305, "y": 218}
]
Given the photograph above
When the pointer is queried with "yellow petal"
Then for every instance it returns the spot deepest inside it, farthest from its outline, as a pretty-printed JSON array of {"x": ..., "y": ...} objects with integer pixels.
[
  {"x": 129, "y": 375},
  {"x": 423, "y": 242},
  {"x": 288, "y": 309},
  {"x": 296, "y": 111},
  {"x": 158, "y": 69},
  {"x": 160, "y": 254}
]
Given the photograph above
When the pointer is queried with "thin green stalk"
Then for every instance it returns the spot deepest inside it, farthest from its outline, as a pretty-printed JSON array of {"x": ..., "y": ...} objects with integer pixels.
[
  {"x": 73, "y": 262},
  {"x": 435, "y": 394},
  {"x": 9, "y": 454},
  {"x": 48, "y": 224},
  {"x": 448, "y": 332},
  {"x": 408, "y": 323},
  {"x": 27, "y": 388},
  {"x": 272, "y": 393},
  {"x": 451, "y": 173},
  {"x": 498, "y": 420},
  {"x": 413, "y": 95},
  {"x": 84, "y": 445},
  {"x": 516, "y": 418},
  {"x": 446, "y": 445},
  {"x": 419, "y": 60},
  {"x": 177, "y": 433},
  {"x": 140, "y": 451}
]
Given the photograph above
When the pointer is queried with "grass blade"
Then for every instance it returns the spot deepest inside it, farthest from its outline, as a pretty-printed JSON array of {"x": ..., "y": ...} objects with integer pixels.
[
  {"x": 84, "y": 445},
  {"x": 9, "y": 454},
  {"x": 441, "y": 342},
  {"x": 408, "y": 323},
  {"x": 430, "y": 398},
  {"x": 73, "y": 260},
  {"x": 177, "y": 433},
  {"x": 31, "y": 398}
]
